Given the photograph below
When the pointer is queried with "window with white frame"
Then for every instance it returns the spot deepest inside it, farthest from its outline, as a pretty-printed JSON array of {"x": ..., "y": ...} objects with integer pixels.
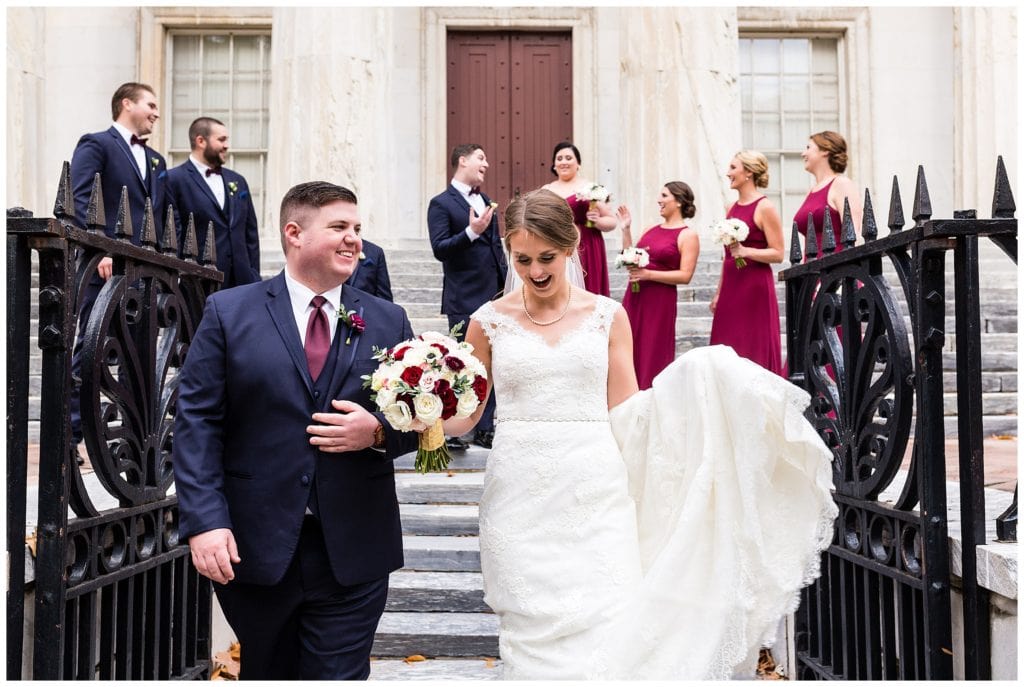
[
  {"x": 224, "y": 75},
  {"x": 789, "y": 89}
]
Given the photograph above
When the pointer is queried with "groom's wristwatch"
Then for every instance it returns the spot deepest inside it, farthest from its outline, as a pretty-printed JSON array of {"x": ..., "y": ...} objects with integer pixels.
[{"x": 378, "y": 436}]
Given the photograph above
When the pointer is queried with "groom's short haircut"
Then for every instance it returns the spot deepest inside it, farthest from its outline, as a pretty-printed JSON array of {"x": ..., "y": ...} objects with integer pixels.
[
  {"x": 464, "y": 150},
  {"x": 311, "y": 195}
]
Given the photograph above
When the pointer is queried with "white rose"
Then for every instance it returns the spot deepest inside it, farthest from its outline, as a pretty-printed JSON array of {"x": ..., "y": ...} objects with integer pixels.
[
  {"x": 398, "y": 416},
  {"x": 428, "y": 408},
  {"x": 467, "y": 404},
  {"x": 386, "y": 398}
]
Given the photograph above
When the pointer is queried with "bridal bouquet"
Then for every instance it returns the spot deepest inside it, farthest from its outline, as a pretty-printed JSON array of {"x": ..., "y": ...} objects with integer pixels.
[
  {"x": 729, "y": 231},
  {"x": 633, "y": 257},
  {"x": 423, "y": 381},
  {"x": 595, "y": 194}
]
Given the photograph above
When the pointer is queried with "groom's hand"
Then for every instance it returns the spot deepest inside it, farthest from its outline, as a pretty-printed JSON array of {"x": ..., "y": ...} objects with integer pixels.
[
  {"x": 350, "y": 429},
  {"x": 213, "y": 552}
]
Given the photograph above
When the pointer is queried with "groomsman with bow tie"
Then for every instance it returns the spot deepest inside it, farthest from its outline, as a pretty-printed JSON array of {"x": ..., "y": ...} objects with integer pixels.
[
  {"x": 123, "y": 158},
  {"x": 464, "y": 236},
  {"x": 203, "y": 186}
]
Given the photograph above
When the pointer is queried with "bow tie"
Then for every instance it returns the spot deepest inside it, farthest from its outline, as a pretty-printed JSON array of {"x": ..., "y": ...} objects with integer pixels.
[
  {"x": 475, "y": 189},
  {"x": 211, "y": 170},
  {"x": 140, "y": 141}
]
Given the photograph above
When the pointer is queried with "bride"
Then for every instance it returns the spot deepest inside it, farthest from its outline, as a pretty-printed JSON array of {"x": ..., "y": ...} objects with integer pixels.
[{"x": 626, "y": 534}]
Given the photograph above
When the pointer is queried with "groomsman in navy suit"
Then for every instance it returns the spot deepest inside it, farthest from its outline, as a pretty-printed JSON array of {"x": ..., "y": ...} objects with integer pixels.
[
  {"x": 122, "y": 156},
  {"x": 282, "y": 464},
  {"x": 464, "y": 236},
  {"x": 203, "y": 186},
  {"x": 371, "y": 273}
]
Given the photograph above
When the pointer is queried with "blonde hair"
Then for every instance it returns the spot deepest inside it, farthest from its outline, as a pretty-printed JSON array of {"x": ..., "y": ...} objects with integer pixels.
[
  {"x": 544, "y": 214},
  {"x": 757, "y": 164}
]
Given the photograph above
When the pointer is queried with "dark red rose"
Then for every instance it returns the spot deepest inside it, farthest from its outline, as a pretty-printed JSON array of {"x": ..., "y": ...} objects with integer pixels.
[
  {"x": 400, "y": 353},
  {"x": 357, "y": 323},
  {"x": 441, "y": 385},
  {"x": 411, "y": 375},
  {"x": 480, "y": 388},
  {"x": 407, "y": 398},
  {"x": 454, "y": 364},
  {"x": 449, "y": 403},
  {"x": 444, "y": 351}
]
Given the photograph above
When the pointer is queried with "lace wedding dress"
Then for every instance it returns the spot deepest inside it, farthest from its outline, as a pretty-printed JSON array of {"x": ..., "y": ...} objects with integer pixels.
[{"x": 663, "y": 540}]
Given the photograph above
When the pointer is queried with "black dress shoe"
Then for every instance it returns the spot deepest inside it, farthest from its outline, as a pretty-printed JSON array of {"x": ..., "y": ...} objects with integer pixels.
[
  {"x": 456, "y": 444},
  {"x": 483, "y": 438}
]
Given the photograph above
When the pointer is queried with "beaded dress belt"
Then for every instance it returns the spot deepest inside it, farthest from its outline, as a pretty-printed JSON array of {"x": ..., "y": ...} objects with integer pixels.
[{"x": 498, "y": 420}]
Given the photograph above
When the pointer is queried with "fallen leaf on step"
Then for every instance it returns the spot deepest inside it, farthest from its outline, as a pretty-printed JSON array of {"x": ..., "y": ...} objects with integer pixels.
[
  {"x": 236, "y": 651},
  {"x": 226, "y": 665},
  {"x": 489, "y": 662},
  {"x": 415, "y": 658},
  {"x": 31, "y": 541},
  {"x": 1004, "y": 437},
  {"x": 451, "y": 474}
]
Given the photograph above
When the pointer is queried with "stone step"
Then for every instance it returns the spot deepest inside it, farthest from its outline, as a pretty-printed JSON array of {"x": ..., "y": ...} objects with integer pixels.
[
  {"x": 441, "y": 554},
  {"x": 442, "y": 487},
  {"x": 991, "y": 404},
  {"x": 440, "y": 519},
  {"x": 992, "y": 425},
  {"x": 473, "y": 458},
  {"x": 436, "y": 634},
  {"x": 436, "y": 669},
  {"x": 443, "y": 592}
]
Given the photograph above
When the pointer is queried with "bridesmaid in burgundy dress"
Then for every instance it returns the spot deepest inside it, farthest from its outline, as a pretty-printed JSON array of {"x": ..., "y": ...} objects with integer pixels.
[
  {"x": 673, "y": 248},
  {"x": 745, "y": 307},
  {"x": 565, "y": 164},
  {"x": 825, "y": 158}
]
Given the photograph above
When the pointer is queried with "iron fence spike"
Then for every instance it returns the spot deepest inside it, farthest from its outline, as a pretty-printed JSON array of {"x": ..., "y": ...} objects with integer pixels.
[
  {"x": 210, "y": 246},
  {"x": 190, "y": 250},
  {"x": 896, "y": 220},
  {"x": 849, "y": 234},
  {"x": 868, "y": 228},
  {"x": 812, "y": 238},
  {"x": 828, "y": 234},
  {"x": 922, "y": 202},
  {"x": 96, "y": 213},
  {"x": 148, "y": 237},
  {"x": 794, "y": 246},
  {"x": 64, "y": 205},
  {"x": 123, "y": 228},
  {"x": 1002, "y": 196}
]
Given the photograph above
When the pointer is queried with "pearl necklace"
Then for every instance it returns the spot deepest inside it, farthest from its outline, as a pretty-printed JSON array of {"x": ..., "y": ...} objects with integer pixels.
[{"x": 545, "y": 324}]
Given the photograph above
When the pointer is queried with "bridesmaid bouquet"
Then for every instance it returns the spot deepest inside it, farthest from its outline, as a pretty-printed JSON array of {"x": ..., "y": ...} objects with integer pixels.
[
  {"x": 423, "y": 381},
  {"x": 595, "y": 193},
  {"x": 633, "y": 257},
  {"x": 729, "y": 231}
]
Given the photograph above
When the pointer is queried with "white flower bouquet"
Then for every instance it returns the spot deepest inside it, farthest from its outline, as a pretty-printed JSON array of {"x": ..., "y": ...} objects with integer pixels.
[
  {"x": 423, "y": 381},
  {"x": 633, "y": 257},
  {"x": 729, "y": 231},
  {"x": 594, "y": 194}
]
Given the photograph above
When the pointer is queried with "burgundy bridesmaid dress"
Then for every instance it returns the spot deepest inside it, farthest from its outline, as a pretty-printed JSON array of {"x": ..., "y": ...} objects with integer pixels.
[
  {"x": 652, "y": 309},
  {"x": 747, "y": 314},
  {"x": 815, "y": 204},
  {"x": 593, "y": 255}
]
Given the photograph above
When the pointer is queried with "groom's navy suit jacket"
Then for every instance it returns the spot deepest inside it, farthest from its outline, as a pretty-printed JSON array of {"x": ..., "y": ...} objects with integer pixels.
[
  {"x": 242, "y": 457},
  {"x": 474, "y": 271},
  {"x": 107, "y": 153},
  {"x": 234, "y": 225}
]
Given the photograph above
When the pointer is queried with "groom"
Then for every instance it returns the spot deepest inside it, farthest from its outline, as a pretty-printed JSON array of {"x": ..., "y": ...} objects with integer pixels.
[{"x": 284, "y": 478}]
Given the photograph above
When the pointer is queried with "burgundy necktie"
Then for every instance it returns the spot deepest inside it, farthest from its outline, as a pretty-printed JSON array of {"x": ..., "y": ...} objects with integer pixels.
[
  {"x": 140, "y": 141},
  {"x": 318, "y": 337}
]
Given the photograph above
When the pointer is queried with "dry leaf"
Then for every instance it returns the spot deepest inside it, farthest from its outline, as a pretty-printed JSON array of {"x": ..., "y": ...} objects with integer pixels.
[
  {"x": 415, "y": 658},
  {"x": 31, "y": 541},
  {"x": 489, "y": 662},
  {"x": 1004, "y": 437},
  {"x": 226, "y": 664},
  {"x": 451, "y": 474},
  {"x": 236, "y": 651}
]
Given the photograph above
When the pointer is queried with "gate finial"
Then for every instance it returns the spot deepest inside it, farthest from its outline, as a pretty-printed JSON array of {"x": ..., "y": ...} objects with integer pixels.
[
  {"x": 123, "y": 227},
  {"x": 922, "y": 203},
  {"x": 64, "y": 206},
  {"x": 828, "y": 234},
  {"x": 868, "y": 228},
  {"x": 1002, "y": 197},
  {"x": 896, "y": 220},
  {"x": 794, "y": 247},
  {"x": 812, "y": 238},
  {"x": 190, "y": 251},
  {"x": 148, "y": 238},
  {"x": 169, "y": 241},
  {"x": 849, "y": 236},
  {"x": 210, "y": 247},
  {"x": 96, "y": 213}
]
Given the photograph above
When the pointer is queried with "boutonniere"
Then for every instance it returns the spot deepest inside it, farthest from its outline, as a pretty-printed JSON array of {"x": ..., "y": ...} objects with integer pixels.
[
  {"x": 232, "y": 187},
  {"x": 353, "y": 321},
  {"x": 362, "y": 255},
  {"x": 155, "y": 161}
]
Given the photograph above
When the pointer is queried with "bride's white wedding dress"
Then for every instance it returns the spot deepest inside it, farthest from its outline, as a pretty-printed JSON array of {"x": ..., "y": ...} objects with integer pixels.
[{"x": 663, "y": 540}]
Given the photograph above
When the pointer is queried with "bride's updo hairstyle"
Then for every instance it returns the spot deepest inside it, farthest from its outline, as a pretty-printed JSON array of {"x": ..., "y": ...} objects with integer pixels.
[
  {"x": 757, "y": 164},
  {"x": 544, "y": 214},
  {"x": 683, "y": 194}
]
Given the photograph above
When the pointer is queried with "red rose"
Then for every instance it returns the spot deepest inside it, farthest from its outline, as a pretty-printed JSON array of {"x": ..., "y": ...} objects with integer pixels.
[
  {"x": 444, "y": 351},
  {"x": 480, "y": 388},
  {"x": 411, "y": 375},
  {"x": 400, "y": 353},
  {"x": 358, "y": 323},
  {"x": 407, "y": 398},
  {"x": 454, "y": 364},
  {"x": 441, "y": 385},
  {"x": 449, "y": 403}
]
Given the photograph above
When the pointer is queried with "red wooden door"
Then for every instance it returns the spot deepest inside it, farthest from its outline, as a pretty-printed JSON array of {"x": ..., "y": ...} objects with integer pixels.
[{"x": 511, "y": 92}]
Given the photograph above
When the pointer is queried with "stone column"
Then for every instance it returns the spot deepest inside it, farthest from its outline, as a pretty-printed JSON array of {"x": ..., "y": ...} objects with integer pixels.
[
  {"x": 332, "y": 112},
  {"x": 985, "y": 97},
  {"x": 678, "y": 115},
  {"x": 26, "y": 82}
]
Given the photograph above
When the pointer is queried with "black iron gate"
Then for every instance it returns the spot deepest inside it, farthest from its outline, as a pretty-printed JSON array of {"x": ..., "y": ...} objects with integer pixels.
[
  {"x": 114, "y": 594},
  {"x": 881, "y": 608}
]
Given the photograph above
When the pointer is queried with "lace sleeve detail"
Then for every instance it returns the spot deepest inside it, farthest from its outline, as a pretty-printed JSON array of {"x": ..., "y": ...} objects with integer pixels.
[
  {"x": 488, "y": 318},
  {"x": 604, "y": 313}
]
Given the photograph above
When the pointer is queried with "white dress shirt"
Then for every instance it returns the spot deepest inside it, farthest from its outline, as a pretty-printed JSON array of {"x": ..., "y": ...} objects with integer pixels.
[
  {"x": 475, "y": 200},
  {"x": 137, "y": 150},
  {"x": 301, "y": 297},
  {"x": 214, "y": 181}
]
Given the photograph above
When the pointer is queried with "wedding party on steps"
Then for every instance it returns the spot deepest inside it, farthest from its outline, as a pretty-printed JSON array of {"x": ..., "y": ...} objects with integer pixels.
[{"x": 586, "y": 429}]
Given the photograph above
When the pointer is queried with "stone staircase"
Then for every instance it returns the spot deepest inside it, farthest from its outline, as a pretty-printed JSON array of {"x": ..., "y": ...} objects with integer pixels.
[{"x": 436, "y": 606}]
